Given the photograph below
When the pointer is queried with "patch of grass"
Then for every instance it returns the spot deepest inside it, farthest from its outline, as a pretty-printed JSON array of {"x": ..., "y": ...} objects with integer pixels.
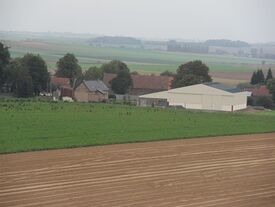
[{"x": 27, "y": 125}]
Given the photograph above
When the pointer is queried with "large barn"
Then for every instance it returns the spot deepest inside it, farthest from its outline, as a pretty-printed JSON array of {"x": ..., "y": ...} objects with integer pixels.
[{"x": 210, "y": 96}]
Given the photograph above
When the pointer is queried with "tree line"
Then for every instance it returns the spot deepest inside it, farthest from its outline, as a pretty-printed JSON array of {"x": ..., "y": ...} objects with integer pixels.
[{"x": 28, "y": 76}]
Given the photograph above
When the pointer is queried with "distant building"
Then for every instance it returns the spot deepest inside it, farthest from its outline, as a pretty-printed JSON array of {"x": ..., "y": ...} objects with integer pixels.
[
  {"x": 210, "y": 96},
  {"x": 259, "y": 91},
  {"x": 62, "y": 87},
  {"x": 59, "y": 82},
  {"x": 91, "y": 91},
  {"x": 143, "y": 84}
]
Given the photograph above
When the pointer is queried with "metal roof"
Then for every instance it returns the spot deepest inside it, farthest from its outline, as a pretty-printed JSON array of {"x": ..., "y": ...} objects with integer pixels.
[
  {"x": 96, "y": 85},
  {"x": 223, "y": 87}
]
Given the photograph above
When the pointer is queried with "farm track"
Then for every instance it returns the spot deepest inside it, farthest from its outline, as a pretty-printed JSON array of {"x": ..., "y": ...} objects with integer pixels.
[{"x": 225, "y": 171}]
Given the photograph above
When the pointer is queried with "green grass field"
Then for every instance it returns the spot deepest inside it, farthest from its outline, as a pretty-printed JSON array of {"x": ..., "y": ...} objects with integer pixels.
[
  {"x": 144, "y": 61},
  {"x": 33, "y": 125}
]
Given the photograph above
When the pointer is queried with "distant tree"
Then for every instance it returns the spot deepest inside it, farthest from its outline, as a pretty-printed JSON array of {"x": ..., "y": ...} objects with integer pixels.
[
  {"x": 115, "y": 66},
  {"x": 134, "y": 73},
  {"x": 271, "y": 87},
  {"x": 260, "y": 77},
  {"x": 244, "y": 86},
  {"x": 13, "y": 71},
  {"x": 24, "y": 86},
  {"x": 167, "y": 73},
  {"x": 269, "y": 75},
  {"x": 122, "y": 83},
  {"x": 254, "y": 80},
  {"x": 257, "y": 77},
  {"x": 191, "y": 73},
  {"x": 93, "y": 73},
  {"x": 68, "y": 67},
  {"x": 37, "y": 69},
  {"x": 4, "y": 61}
]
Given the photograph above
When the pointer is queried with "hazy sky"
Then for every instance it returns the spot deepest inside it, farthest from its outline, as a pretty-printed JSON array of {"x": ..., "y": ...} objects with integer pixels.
[{"x": 249, "y": 20}]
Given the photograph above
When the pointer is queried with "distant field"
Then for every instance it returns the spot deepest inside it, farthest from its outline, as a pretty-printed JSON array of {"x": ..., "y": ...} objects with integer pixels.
[
  {"x": 143, "y": 61},
  {"x": 27, "y": 126}
]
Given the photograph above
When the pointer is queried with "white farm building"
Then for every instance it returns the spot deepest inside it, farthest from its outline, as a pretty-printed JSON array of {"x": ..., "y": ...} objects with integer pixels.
[{"x": 210, "y": 96}]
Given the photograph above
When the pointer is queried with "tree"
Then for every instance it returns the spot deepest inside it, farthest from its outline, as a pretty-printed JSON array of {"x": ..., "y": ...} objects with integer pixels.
[
  {"x": 260, "y": 77},
  {"x": 167, "y": 73},
  {"x": 271, "y": 87},
  {"x": 122, "y": 83},
  {"x": 134, "y": 73},
  {"x": 191, "y": 73},
  {"x": 115, "y": 66},
  {"x": 68, "y": 67},
  {"x": 93, "y": 73},
  {"x": 4, "y": 61},
  {"x": 24, "y": 86},
  {"x": 257, "y": 77},
  {"x": 254, "y": 80},
  {"x": 13, "y": 71},
  {"x": 37, "y": 70},
  {"x": 269, "y": 75},
  {"x": 264, "y": 101}
]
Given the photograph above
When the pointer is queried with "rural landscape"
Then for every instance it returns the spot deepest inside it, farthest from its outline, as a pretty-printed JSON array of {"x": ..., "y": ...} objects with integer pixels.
[{"x": 103, "y": 112}]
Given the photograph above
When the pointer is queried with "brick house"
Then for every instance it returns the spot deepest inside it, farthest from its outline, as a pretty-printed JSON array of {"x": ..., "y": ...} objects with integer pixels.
[
  {"x": 259, "y": 91},
  {"x": 91, "y": 91},
  {"x": 143, "y": 84}
]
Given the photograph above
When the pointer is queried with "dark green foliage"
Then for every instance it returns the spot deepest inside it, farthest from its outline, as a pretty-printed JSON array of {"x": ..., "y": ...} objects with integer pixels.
[
  {"x": 122, "y": 83},
  {"x": 253, "y": 80},
  {"x": 264, "y": 101},
  {"x": 38, "y": 71},
  {"x": 68, "y": 67},
  {"x": 250, "y": 101},
  {"x": 134, "y": 73},
  {"x": 269, "y": 75},
  {"x": 24, "y": 86},
  {"x": 257, "y": 77},
  {"x": 115, "y": 66},
  {"x": 167, "y": 73},
  {"x": 4, "y": 61},
  {"x": 271, "y": 87},
  {"x": 191, "y": 73},
  {"x": 93, "y": 73},
  {"x": 13, "y": 72}
]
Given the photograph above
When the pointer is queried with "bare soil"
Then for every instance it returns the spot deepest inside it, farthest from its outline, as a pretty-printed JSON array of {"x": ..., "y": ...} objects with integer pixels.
[{"x": 222, "y": 171}]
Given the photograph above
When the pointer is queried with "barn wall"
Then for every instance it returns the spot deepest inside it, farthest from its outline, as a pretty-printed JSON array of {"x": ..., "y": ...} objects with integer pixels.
[
  {"x": 209, "y": 102},
  {"x": 81, "y": 93}
]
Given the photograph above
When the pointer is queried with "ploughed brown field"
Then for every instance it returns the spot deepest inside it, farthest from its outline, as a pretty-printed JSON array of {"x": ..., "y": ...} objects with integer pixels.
[{"x": 223, "y": 171}]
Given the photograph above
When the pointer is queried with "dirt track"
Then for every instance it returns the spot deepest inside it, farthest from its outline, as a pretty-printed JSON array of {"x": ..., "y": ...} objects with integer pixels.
[{"x": 233, "y": 171}]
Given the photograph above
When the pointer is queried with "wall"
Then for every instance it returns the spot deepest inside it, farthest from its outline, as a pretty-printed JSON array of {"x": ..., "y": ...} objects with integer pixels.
[{"x": 81, "y": 93}]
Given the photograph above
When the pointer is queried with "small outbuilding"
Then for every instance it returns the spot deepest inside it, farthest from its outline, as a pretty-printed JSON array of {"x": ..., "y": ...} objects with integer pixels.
[
  {"x": 91, "y": 91},
  {"x": 209, "y": 96}
]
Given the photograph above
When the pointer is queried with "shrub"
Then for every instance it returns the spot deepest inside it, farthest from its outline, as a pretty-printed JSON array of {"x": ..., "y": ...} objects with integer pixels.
[{"x": 264, "y": 101}]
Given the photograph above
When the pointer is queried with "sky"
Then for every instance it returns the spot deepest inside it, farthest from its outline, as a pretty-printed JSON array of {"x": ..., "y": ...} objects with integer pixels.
[{"x": 247, "y": 20}]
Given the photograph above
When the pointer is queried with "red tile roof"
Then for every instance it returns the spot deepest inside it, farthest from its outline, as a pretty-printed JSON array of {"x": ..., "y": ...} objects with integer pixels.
[
  {"x": 260, "y": 91},
  {"x": 154, "y": 82},
  {"x": 60, "y": 81}
]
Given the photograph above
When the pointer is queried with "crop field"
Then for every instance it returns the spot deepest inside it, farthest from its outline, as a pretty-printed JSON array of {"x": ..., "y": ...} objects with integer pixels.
[
  {"x": 34, "y": 125},
  {"x": 233, "y": 171},
  {"x": 144, "y": 61}
]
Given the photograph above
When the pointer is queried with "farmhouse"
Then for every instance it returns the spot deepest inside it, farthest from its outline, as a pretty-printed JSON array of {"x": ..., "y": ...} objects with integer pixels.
[
  {"x": 63, "y": 87},
  {"x": 91, "y": 91},
  {"x": 143, "y": 84},
  {"x": 210, "y": 96}
]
